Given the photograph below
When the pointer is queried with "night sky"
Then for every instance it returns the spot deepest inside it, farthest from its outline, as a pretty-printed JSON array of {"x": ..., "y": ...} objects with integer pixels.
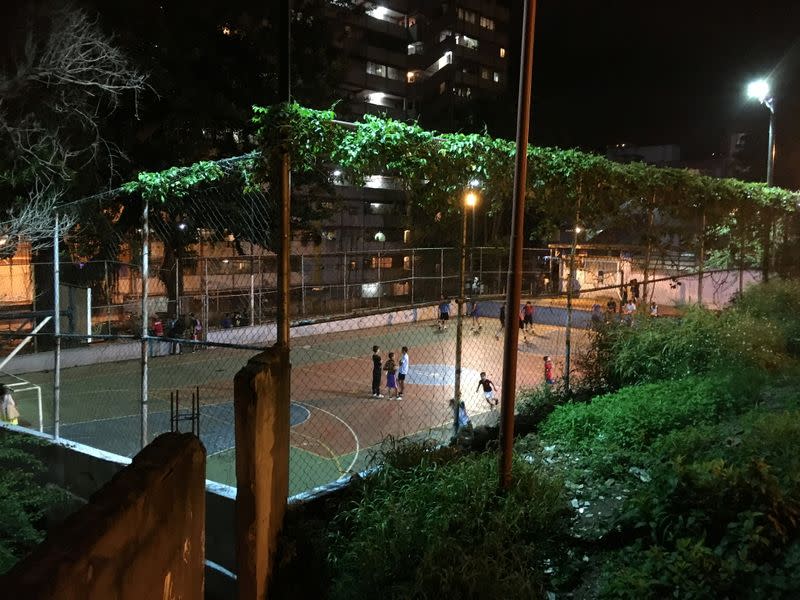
[{"x": 665, "y": 72}]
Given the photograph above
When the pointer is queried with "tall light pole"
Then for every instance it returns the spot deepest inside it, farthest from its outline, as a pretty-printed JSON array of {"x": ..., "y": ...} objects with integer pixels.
[
  {"x": 470, "y": 200},
  {"x": 759, "y": 90},
  {"x": 473, "y": 184}
]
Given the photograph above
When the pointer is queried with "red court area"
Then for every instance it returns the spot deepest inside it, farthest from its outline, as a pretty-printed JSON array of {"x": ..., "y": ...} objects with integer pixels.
[{"x": 331, "y": 377}]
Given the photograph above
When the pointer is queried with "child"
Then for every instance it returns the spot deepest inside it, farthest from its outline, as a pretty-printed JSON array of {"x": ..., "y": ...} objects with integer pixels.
[
  {"x": 548, "y": 371},
  {"x": 502, "y": 318},
  {"x": 488, "y": 390},
  {"x": 8, "y": 408},
  {"x": 444, "y": 312},
  {"x": 376, "y": 373},
  {"x": 391, "y": 380},
  {"x": 527, "y": 316},
  {"x": 463, "y": 422},
  {"x": 653, "y": 309},
  {"x": 476, "y": 324}
]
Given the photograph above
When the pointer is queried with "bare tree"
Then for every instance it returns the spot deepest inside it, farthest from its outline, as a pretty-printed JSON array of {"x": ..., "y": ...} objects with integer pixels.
[{"x": 63, "y": 77}]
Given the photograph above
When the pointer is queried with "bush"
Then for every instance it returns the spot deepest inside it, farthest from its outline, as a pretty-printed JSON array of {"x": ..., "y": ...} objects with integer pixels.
[
  {"x": 444, "y": 531},
  {"x": 699, "y": 342},
  {"x": 720, "y": 516},
  {"x": 24, "y": 501},
  {"x": 778, "y": 302},
  {"x": 617, "y": 430},
  {"x": 538, "y": 402}
]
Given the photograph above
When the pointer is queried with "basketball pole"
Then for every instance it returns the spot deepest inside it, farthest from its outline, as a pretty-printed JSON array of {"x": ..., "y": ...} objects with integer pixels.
[{"x": 145, "y": 318}]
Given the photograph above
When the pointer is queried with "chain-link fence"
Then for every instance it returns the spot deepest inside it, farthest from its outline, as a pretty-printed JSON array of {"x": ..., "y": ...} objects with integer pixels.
[{"x": 98, "y": 354}]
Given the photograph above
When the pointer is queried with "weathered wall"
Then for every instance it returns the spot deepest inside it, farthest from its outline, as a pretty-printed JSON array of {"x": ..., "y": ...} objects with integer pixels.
[
  {"x": 261, "y": 409},
  {"x": 140, "y": 536}
]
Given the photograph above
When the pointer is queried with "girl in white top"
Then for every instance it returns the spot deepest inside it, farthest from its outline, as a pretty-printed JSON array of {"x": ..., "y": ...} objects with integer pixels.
[{"x": 8, "y": 408}]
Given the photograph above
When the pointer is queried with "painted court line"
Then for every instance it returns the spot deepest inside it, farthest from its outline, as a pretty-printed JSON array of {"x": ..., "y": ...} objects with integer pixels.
[{"x": 353, "y": 433}]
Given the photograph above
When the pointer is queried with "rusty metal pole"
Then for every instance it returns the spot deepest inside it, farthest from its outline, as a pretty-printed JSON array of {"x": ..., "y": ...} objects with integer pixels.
[
  {"x": 514, "y": 292},
  {"x": 284, "y": 177}
]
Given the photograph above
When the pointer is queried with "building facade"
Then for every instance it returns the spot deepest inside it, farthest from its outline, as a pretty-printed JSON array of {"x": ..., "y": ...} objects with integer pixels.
[{"x": 437, "y": 62}]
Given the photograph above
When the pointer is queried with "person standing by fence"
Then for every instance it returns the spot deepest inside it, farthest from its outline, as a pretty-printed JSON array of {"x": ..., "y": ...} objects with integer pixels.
[
  {"x": 391, "y": 376},
  {"x": 8, "y": 408},
  {"x": 377, "y": 363},
  {"x": 402, "y": 373}
]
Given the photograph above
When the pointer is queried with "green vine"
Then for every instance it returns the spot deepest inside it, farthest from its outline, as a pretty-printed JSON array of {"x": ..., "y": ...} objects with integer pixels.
[{"x": 175, "y": 182}]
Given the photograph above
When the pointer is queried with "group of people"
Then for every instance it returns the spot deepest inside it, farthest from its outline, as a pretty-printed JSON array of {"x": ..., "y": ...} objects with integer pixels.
[
  {"x": 186, "y": 327},
  {"x": 228, "y": 321},
  {"x": 396, "y": 373}
]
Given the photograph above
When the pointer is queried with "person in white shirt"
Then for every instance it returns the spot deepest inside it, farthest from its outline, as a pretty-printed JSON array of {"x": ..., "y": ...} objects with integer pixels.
[
  {"x": 402, "y": 373},
  {"x": 8, "y": 408}
]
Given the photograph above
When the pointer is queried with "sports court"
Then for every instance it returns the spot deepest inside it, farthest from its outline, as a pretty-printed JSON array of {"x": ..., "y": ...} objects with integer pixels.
[{"x": 335, "y": 420}]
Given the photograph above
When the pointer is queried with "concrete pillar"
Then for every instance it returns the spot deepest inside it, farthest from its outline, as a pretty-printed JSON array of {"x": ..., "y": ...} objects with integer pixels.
[{"x": 261, "y": 408}]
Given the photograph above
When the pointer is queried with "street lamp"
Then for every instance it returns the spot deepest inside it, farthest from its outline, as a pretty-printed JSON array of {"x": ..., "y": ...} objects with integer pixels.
[
  {"x": 470, "y": 200},
  {"x": 759, "y": 90}
]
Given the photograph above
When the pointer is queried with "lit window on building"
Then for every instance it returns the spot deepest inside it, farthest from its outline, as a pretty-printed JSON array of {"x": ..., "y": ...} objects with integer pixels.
[
  {"x": 487, "y": 23},
  {"x": 446, "y": 59},
  {"x": 485, "y": 73},
  {"x": 413, "y": 76},
  {"x": 502, "y": 52},
  {"x": 467, "y": 16},
  {"x": 376, "y": 69},
  {"x": 396, "y": 74},
  {"x": 467, "y": 42},
  {"x": 406, "y": 237},
  {"x": 443, "y": 35},
  {"x": 496, "y": 77},
  {"x": 415, "y": 48},
  {"x": 385, "y": 262}
]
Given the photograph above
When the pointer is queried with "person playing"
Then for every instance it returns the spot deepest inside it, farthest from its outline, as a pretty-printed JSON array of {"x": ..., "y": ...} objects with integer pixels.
[
  {"x": 444, "y": 312},
  {"x": 377, "y": 362},
  {"x": 521, "y": 317},
  {"x": 391, "y": 375},
  {"x": 597, "y": 316},
  {"x": 548, "y": 371},
  {"x": 402, "y": 373},
  {"x": 502, "y": 319},
  {"x": 463, "y": 422},
  {"x": 473, "y": 312},
  {"x": 8, "y": 408},
  {"x": 488, "y": 390},
  {"x": 527, "y": 316}
]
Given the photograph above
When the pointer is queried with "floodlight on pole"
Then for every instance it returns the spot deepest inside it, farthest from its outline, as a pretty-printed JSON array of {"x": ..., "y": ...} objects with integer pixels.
[
  {"x": 758, "y": 90},
  {"x": 471, "y": 199}
]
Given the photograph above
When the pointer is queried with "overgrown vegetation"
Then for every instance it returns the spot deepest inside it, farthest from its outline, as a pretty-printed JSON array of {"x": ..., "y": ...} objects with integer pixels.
[
  {"x": 24, "y": 501},
  {"x": 683, "y": 482}
]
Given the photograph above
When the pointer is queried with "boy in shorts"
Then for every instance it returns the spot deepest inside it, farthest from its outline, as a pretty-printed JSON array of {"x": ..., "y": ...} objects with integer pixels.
[
  {"x": 444, "y": 312},
  {"x": 488, "y": 390}
]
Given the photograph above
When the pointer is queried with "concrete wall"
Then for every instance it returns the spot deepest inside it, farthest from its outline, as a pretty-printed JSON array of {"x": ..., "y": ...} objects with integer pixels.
[
  {"x": 140, "y": 536},
  {"x": 111, "y": 352}
]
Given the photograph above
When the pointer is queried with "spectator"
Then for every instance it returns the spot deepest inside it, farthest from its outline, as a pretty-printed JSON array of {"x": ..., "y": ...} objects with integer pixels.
[
  {"x": 653, "y": 309},
  {"x": 391, "y": 375},
  {"x": 548, "y": 371},
  {"x": 8, "y": 408},
  {"x": 376, "y": 372},
  {"x": 444, "y": 312},
  {"x": 597, "y": 316},
  {"x": 403, "y": 373},
  {"x": 227, "y": 323}
]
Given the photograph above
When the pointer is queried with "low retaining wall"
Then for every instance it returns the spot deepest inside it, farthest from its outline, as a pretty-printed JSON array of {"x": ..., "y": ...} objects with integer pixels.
[
  {"x": 140, "y": 535},
  {"x": 112, "y": 352},
  {"x": 83, "y": 470}
]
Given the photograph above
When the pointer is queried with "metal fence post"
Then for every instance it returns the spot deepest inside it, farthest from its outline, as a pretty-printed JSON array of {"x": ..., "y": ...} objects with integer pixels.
[
  {"x": 441, "y": 271},
  {"x": 412, "y": 276},
  {"x": 57, "y": 333},
  {"x": 303, "y": 285},
  {"x": 379, "y": 279},
  {"x": 205, "y": 306},
  {"x": 145, "y": 317},
  {"x": 344, "y": 281},
  {"x": 252, "y": 293}
]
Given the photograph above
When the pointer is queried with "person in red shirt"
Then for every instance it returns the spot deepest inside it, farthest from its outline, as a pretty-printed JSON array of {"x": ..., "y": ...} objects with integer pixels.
[{"x": 548, "y": 371}]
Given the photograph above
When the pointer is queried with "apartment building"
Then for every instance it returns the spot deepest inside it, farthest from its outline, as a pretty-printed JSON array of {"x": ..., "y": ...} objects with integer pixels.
[{"x": 431, "y": 61}]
